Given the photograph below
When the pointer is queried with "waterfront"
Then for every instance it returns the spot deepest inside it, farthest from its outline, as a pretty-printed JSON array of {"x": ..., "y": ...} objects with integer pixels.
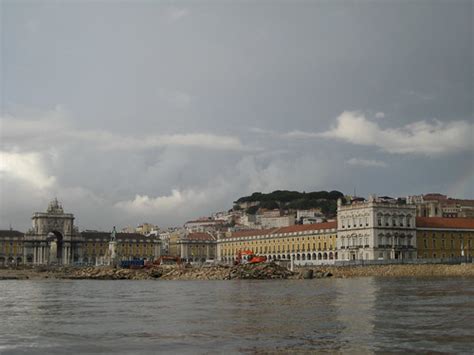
[{"x": 358, "y": 314}]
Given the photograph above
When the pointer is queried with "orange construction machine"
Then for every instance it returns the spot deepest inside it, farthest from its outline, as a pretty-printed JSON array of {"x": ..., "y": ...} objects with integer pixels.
[
  {"x": 164, "y": 260},
  {"x": 249, "y": 257}
]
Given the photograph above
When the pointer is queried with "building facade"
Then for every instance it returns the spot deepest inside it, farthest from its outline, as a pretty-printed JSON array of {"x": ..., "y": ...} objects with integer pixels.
[
  {"x": 54, "y": 240},
  {"x": 305, "y": 244},
  {"x": 440, "y": 238},
  {"x": 376, "y": 230},
  {"x": 11, "y": 247},
  {"x": 130, "y": 246},
  {"x": 197, "y": 247}
]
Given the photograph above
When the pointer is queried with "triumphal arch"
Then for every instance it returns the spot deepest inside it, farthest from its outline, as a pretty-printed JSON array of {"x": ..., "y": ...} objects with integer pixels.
[{"x": 53, "y": 239}]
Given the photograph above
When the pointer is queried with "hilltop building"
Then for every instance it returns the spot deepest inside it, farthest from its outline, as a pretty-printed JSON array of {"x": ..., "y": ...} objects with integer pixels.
[{"x": 438, "y": 205}]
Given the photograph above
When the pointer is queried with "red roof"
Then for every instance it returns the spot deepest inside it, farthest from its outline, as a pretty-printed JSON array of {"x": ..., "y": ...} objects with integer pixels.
[
  {"x": 440, "y": 222},
  {"x": 199, "y": 236}
]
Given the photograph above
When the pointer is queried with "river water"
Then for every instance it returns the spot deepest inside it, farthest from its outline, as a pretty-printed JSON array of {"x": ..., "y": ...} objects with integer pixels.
[{"x": 362, "y": 315}]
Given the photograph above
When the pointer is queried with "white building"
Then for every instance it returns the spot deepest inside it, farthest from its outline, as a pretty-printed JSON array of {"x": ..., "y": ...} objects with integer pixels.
[
  {"x": 376, "y": 230},
  {"x": 203, "y": 225},
  {"x": 277, "y": 222}
]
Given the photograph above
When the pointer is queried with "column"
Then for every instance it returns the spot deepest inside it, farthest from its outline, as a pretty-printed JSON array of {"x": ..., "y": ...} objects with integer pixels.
[
  {"x": 66, "y": 253},
  {"x": 40, "y": 254},
  {"x": 35, "y": 260}
]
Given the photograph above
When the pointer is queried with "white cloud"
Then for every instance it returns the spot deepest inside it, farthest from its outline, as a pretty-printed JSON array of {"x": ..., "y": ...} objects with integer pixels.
[
  {"x": 428, "y": 138},
  {"x": 379, "y": 115},
  {"x": 367, "y": 162},
  {"x": 143, "y": 204},
  {"x": 28, "y": 167}
]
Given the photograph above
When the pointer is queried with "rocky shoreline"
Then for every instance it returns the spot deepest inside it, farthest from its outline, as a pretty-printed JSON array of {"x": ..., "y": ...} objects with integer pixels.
[{"x": 267, "y": 271}]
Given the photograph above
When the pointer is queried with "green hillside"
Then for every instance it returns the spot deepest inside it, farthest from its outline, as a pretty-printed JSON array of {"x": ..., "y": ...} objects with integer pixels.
[{"x": 293, "y": 200}]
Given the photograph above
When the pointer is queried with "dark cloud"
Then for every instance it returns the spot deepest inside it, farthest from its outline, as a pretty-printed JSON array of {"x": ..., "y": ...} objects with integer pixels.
[{"x": 135, "y": 111}]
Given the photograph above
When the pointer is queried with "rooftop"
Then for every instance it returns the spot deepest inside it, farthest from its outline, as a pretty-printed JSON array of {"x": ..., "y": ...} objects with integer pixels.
[{"x": 440, "y": 222}]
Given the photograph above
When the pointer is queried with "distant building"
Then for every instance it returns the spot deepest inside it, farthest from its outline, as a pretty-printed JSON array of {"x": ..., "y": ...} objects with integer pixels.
[
  {"x": 277, "y": 222},
  {"x": 197, "y": 247},
  {"x": 145, "y": 228},
  {"x": 311, "y": 216},
  {"x": 204, "y": 225},
  {"x": 439, "y": 205},
  {"x": 247, "y": 204}
]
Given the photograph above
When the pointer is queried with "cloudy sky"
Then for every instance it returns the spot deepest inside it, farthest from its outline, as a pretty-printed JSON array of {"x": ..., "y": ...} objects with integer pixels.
[{"x": 158, "y": 111}]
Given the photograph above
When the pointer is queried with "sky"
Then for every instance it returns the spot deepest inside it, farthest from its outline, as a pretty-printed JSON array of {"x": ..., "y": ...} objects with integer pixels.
[{"x": 160, "y": 112}]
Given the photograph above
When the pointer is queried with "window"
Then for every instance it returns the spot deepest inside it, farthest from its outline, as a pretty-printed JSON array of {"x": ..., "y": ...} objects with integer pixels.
[
  {"x": 434, "y": 243},
  {"x": 379, "y": 220}
]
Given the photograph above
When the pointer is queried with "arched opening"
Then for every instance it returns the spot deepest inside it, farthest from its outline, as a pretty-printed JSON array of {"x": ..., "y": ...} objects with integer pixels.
[
  {"x": 331, "y": 257},
  {"x": 314, "y": 256},
  {"x": 57, "y": 237},
  {"x": 2, "y": 261},
  {"x": 18, "y": 261},
  {"x": 325, "y": 256},
  {"x": 320, "y": 256},
  {"x": 85, "y": 260},
  {"x": 308, "y": 257},
  {"x": 303, "y": 257},
  {"x": 297, "y": 256}
]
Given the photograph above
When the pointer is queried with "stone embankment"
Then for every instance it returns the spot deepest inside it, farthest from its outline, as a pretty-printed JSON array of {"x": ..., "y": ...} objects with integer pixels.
[
  {"x": 242, "y": 272},
  {"x": 407, "y": 270},
  {"x": 256, "y": 272}
]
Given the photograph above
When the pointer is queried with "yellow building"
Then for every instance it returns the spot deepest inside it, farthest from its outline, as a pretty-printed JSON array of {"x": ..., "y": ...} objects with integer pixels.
[
  {"x": 129, "y": 246},
  {"x": 145, "y": 228},
  {"x": 174, "y": 248},
  {"x": 305, "y": 244},
  {"x": 439, "y": 237},
  {"x": 197, "y": 247},
  {"x": 11, "y": 247}
]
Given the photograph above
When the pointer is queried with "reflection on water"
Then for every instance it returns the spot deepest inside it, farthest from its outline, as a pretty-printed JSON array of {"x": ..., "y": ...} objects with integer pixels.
[
  {"x": 364, "y": 315},
  {"x": 355, "y": 312}
]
